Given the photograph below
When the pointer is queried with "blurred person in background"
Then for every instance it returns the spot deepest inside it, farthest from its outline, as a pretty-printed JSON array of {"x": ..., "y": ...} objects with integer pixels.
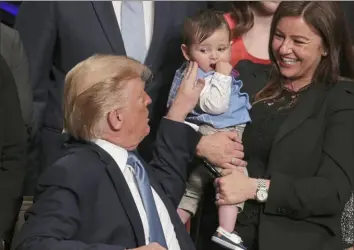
[
  {"x": 12, "y": 50},
  {"x": 250, "y": 23},
  {"x": 12, "y": 154}
]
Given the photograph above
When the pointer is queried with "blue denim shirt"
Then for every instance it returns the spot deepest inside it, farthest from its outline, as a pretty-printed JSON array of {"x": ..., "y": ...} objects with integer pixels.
[{"x": 236, "y": 114}]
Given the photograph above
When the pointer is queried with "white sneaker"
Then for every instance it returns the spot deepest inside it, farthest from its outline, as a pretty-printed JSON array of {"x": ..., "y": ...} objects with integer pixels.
[{"x": 228, "y": 240}]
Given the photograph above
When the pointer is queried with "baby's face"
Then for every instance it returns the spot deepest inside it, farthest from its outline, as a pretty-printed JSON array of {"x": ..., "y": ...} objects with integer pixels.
[{"x": 215, "y": 48}]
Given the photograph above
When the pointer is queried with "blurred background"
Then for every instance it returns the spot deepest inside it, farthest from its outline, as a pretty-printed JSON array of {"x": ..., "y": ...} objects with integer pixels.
[{"x": 8, "y": 11}]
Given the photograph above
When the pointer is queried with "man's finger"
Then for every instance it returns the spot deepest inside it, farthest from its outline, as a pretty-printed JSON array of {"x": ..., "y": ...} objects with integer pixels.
[
  {"x": 233, "y": 136},
  {"x": 227, "y": 165},
  {"x": 243, "y": 164},
  {"x": 189, "y": 69},
  {"x": 237, "y": 160},
  {"x": 240, "y": 169},
  {"x": 200, "y": 83},
  {"x": 237, "y": 153},
  {"x": 194, "y": 71}
]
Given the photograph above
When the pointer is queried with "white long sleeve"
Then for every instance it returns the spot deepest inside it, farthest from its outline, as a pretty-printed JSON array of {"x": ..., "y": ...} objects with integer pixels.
[{"x": 215, "y": 96}]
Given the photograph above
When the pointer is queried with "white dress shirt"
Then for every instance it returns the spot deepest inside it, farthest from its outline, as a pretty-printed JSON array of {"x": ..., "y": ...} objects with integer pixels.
[
  {"x": 149, "y": 12},
  {"x": 120, "y": 156}
]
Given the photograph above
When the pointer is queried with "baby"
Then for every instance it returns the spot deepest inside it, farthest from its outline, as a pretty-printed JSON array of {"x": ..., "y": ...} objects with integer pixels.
[{"x": 221, "y": 107}]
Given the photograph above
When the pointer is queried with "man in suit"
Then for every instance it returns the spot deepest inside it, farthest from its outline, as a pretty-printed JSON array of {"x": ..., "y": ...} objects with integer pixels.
[
  {"x": 12, "y": 50},
  {"x": 12, "y": 152},
  {"x": 100, "y": 195},
  {"x": 58, "y": 35}
]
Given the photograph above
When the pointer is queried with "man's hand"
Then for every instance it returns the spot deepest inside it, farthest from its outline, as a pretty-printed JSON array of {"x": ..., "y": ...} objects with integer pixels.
[
  {"x": 151, "y": 246},
  {"x": 188, "y": 94},
  {"x": 223, "y": 149},
  {"x": 224, "y": 68}
]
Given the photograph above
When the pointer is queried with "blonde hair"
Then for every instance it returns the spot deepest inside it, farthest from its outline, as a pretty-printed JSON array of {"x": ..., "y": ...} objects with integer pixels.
[{"x": 93, "y": 88}]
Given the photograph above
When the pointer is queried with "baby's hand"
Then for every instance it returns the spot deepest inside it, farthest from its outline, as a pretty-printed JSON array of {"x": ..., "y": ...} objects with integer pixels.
[{"x": 224, "y": 68}]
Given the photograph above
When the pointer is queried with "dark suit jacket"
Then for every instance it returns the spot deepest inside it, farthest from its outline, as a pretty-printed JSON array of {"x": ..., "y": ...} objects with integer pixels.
[
  {"x": 58, "y": 35},
  {"x": 15, "y": 56},
  {"x": 12, "y": 152},
  {"x": 311, "y": 172},
  {"x": 348, "y": 8},
  {"x": 84, "y": 202},
  {"x": 12, "y": 50}
]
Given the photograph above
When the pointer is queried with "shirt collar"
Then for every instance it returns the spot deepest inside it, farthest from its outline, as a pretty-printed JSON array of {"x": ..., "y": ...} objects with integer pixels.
[
  {"x": 119, "y": 154},
  {"x": 202, "y": 74}
]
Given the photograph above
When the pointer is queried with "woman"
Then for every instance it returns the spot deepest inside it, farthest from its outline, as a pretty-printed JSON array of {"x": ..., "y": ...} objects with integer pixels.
[
  {"x": 300, "y": 142},
  {"x": 250, "y": 22},
  {"x": 12, "y": 154}
]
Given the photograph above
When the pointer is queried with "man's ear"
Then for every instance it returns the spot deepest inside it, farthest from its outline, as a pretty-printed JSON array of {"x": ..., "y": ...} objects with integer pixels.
[
  {"x": 184, "y": 49},
  {"x": 115, "y": 120}
]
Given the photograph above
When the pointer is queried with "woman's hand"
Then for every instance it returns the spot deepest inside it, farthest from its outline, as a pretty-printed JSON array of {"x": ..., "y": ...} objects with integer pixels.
[
  {"x": 188, "y": 94},
  {"x": 234, "y": 187}
]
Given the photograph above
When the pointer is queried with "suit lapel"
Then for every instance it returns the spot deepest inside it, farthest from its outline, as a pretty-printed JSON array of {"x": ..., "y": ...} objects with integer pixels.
[
  {"x": 128, "y": 203},
  {"x": 107, "y": 18},
  {"x": 309, "y": 103},
  {"x": 119, "y": 183},
  {"x": 124, "y": 194},
  {"x": 180, "y": 230},
  {"x": 162, "y": 12}
]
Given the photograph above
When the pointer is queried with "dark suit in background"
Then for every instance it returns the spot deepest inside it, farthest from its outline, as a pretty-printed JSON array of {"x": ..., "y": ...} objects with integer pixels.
[
  {"x": 15, "y": 56},
  {"x": 58, "y": 35},
  {"x": 12, "y": 152},
  {"x": 348, "y": 9},
  {"x": 84, "y": 201},
  {"x": 12, "y": 50}
]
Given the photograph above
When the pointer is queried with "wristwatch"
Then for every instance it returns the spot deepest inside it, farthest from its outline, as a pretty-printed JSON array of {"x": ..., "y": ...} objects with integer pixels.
[{"x": 262, "y": 191}]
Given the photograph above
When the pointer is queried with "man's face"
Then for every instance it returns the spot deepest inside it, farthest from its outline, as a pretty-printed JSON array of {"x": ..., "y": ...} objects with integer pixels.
[{"x": 135, "y": 115}]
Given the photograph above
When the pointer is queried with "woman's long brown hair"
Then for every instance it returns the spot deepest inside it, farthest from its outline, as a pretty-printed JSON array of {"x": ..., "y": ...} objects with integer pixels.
[{"x": 242, "y": 13}]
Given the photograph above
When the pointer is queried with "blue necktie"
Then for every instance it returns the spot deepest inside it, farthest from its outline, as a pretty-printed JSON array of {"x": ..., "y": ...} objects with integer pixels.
[
  {"x": 142, "y": 180},
  {"x": 133, "y": 29}
]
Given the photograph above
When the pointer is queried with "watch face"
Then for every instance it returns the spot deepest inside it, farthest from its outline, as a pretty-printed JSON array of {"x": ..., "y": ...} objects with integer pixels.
[{"x": 262, "y": 195}]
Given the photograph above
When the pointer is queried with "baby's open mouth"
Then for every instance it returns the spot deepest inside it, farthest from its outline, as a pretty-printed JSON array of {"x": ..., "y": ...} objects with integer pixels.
[{"x": 213, "y": 65}]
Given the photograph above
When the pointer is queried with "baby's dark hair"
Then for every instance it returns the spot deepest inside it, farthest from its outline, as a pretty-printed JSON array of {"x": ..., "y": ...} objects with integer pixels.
[{"x": 202, "y": 25}]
